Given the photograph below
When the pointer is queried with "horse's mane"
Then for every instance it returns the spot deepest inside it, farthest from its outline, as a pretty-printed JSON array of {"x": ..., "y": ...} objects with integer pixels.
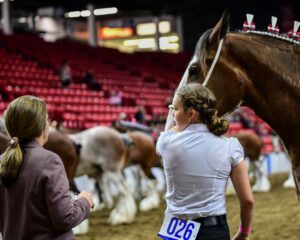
[
  {"x": 283, "y": 37},
  {"x": 203, "y": 44}
]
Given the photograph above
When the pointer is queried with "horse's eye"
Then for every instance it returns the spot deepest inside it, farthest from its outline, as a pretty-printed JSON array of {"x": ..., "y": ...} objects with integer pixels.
[{"x": 194, "y": 70}]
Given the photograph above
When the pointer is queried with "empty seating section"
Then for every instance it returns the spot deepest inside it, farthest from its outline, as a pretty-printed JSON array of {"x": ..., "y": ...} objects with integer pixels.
[{"x": 28, "y": 65}]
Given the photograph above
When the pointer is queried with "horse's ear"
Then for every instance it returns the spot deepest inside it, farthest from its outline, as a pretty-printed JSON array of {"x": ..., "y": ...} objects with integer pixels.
[{"x": 220, "y": 30}]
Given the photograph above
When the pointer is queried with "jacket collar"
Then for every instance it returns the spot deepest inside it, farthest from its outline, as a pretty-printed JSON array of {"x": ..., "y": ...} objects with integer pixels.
[{"x": 30, "y": 144}]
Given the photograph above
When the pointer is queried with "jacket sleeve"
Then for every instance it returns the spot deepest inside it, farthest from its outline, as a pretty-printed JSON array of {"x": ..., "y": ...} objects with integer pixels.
[{"x": 65, "y": 213}]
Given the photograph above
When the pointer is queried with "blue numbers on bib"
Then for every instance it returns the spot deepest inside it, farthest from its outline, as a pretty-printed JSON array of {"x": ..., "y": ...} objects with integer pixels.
[{"x": 180, "y": 229}]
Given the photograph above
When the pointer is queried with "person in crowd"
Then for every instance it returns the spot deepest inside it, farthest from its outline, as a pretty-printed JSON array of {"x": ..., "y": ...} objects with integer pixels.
[
  {"x": 91, "y": 82},
  {"x": 65, "y": 74},
  {"x": 35, "y": 201},
  {"x": 115, "y": 98},
  {"x": 198, "y": 160},
  {"x": 140, "y": 115}
]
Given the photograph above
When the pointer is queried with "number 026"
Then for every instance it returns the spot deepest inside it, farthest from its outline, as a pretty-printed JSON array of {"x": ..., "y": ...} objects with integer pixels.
[{"x": 177, "y": 227}]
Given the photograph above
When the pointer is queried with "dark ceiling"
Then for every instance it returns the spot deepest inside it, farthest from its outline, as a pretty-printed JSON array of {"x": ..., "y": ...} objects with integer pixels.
[
  {"x": 197, "y": 15},
  {"x": 157, "y": 6}
]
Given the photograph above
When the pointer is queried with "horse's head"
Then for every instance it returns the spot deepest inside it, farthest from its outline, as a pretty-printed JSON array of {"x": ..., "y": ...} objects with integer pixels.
[{"x": 225, "y": 79}]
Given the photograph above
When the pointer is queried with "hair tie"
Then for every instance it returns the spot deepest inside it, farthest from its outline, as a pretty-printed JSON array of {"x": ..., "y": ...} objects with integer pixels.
[{"x": 13, "y": 142}]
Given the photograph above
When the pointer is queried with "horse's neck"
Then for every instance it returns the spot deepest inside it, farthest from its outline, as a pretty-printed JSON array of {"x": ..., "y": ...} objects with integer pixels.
[{"x": 272, "y": 84}]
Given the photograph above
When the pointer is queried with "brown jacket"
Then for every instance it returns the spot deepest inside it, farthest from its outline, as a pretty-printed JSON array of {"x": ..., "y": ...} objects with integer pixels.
[{"x": 38, "y": 205}]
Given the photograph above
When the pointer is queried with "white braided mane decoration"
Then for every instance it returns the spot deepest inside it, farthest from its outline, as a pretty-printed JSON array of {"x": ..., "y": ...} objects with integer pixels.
[
  {"x": 281, "y": 36},
  {"x": 292, "y": 37}
]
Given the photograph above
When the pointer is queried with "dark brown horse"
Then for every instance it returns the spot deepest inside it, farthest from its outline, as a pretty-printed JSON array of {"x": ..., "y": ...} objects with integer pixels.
[
  {"x": 261, "y": 71},
  {"x": 251, "y": 143},
  {"x": 143, "y": 152},
  {"x": 62, "y": 145}
]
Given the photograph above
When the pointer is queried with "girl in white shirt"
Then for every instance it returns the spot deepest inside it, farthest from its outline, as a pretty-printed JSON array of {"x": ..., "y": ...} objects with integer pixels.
[{"x": 198, "y": 161}]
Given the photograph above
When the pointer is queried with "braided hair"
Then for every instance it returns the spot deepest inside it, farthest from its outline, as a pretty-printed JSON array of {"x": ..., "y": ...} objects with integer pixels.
[{"x": 197, "y": 97}]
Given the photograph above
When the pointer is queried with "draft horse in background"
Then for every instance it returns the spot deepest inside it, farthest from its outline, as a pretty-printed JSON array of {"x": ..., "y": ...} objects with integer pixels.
[
  {"x": 105, "y": 153},
  {"x": 142, "y": 158},
  {"x": 253, "y": 145},
  {"x": 260, "y": 71}
]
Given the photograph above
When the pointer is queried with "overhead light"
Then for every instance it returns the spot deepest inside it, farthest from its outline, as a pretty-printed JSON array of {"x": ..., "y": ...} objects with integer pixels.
[
  {"x": 130, "y": 43},
  {"x": 22, "y": 20},
  {"x": 164, "y": 27},
  {"x": 143, "y": 29},
  {"x": 73, "y": 14},
  {"x": 173, "y": 38},
  {"x": 140, "y": 43},
  {"x": 147, "y": 43},
  {"x": 105, "y": 11},
  {"x": 85, "y": 13}
]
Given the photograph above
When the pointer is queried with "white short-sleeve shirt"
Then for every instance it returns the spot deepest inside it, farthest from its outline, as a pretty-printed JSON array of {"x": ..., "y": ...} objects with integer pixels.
[{"x": 197, "y": 165}]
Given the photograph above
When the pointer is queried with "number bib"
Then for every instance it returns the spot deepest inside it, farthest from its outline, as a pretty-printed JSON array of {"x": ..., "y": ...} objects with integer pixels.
[{"x": 178, "y": 229}]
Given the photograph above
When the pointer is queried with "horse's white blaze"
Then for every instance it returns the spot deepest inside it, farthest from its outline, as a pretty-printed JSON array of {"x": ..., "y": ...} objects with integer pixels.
[{"x": 170, "y": 121}]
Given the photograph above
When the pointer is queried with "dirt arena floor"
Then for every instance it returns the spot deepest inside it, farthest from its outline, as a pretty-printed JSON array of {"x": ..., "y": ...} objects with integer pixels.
[{"x": 277, "y": 216}]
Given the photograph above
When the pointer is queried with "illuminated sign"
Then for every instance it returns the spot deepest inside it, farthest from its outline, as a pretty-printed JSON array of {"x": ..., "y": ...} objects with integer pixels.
[
  {"x": 143, "y": 29},
  {"x": 111, "y": 33}
]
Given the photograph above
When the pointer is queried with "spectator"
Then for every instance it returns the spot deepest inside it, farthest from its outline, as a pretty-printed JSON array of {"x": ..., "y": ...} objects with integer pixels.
[
  {"x": 123, "y": 116},
  {"x": 65, "y": 74},
  {"x": 140, "y": 115},
  {"x": 115, "y": 98},
  {"x": 91, "y": 82},
  {"x": 35, "y": 201}
]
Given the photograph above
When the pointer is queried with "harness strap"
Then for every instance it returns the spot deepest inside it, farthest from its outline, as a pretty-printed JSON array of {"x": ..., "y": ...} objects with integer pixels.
[{"x": 216, "y": 58}]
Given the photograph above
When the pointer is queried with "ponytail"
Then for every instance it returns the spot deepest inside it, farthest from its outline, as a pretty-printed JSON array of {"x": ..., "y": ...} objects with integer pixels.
[{"x": 11, "y": 164}]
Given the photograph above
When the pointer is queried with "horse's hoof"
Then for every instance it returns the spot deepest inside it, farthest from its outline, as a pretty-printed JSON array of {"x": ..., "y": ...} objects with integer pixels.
[
  {"x": 149, "y": 203},
  {"x": 261, "y": 188},
  {"x": 82, "y": 228},
  {"x": 289, "y": 184}
]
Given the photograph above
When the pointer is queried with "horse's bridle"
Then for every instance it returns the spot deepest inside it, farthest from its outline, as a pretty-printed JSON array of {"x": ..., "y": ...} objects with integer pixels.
[{"x": 216, "y": 58}]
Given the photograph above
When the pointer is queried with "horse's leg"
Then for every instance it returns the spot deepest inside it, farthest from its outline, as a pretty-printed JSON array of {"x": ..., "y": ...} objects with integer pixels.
[
  {"x": 262, "y": 183},
  {"x": 152, "y": 199},
  {"x": 132, "y": 178},
  {"x": 125, "y": 209},
  {"x": 104, "y": 182},
  {"x": 290, "y": 183}
]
